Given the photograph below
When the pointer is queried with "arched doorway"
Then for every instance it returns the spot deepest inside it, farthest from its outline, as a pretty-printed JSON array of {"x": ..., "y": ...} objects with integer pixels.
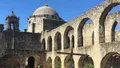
[
  {"x": 69, "y": 62},
  {"x": 31, "y": 62},
  {"x": 111, "y": 60},
  {"x": 57, "y": 62},
  {"x": 85, "y": 62}
]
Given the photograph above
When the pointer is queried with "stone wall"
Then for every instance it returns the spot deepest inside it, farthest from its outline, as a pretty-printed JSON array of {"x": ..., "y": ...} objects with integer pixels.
[{"x": 22, "y": 40}]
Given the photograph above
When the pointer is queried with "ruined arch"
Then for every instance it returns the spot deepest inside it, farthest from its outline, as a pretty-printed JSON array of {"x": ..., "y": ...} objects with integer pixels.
[
  {"x": 49, "y": 43},
  {"x": 49, "y": 63},
  {"x": 85, "y": 61},
  {"x": 57, "y": 62},
  {"x": 69, "y": 62},
  {"x": 111, "y": 60},
  {"x": 80, "y": 31},
  {"x": 102, "y": 20},
  {"x": 67, "y": 35},
  {"x": 43, "y": 44},
  {"x": 57, "y": 40}
]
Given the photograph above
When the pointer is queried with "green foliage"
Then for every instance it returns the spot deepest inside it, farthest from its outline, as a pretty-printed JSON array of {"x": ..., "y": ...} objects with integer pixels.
[
  {"x": 58, "y": 64},
  {"x": 88, "y": 66}
]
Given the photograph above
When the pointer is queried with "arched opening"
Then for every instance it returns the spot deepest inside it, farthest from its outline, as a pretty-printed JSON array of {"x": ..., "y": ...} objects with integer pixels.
[
  {"x": 43, "y": 44},
  {"x": 104, "y": 14},
  {"x": 58, "y": 41},
  {"x": 68, "y": 32},
  {"x": 111, "y": 60},
  {"x": 81, "y": 36},
  {"x": 57, "y": 62},
  {"x": 31, "y": 62},
  {"x": 85, "y": 62},
  {"x": 115, "y": 31},
  {"x": 69, "y": 62},
  {"x": 49, "y": 43},
  {"x": 49, "y": 63}
]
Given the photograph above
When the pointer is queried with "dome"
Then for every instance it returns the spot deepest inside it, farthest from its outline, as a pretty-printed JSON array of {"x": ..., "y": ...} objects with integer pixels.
[{"x": 45, "y": 10}]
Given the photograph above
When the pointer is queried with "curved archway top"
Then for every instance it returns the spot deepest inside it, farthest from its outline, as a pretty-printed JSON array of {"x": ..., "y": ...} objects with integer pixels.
[
  {"x": 49, "y": 59},
  {"x": 82, "y": 22},
  {"x": 43, "y": 39},
  {"x": 49, "y": 37},
  {"x": 67, "y": 57},
  {"x": 106, "y": 10},
  {"x": 57, "y": 33},
  {"x": 105, "y": 58},
  {"x": 68, "y": 28},
  {"x": 57, "y": 57}
]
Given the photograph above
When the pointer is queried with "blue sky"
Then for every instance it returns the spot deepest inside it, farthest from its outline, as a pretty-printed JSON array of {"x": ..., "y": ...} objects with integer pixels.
[{"x": 67, "y": 9}]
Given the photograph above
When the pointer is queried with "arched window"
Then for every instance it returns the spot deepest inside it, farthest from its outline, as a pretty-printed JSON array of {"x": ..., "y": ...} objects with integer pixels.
[
  {"x": 58, "y": 41},
  {"x": 114, "y": 31},
  {"x": 49, "y": 43},
  {"x": 69, "y": 30},
  {"x": 81, "y": 36}
]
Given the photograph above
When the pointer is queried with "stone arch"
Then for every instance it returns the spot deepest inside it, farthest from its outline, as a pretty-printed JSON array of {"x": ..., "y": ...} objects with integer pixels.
[
  {"x": 80, "y": 31},
  {"x": 49, "y": 63},
  {"x": 67, "y": 36},
  {"x": 49, "y": 43},
  {"x": 111, "y": 60},
  {"x": 102, "y": 20},
  {"x": 85, "y": 61},
  {"x": 57, "y": 62},
  {"x": 43, "y": 44},
  {"x": 69, "y": 62},
  {"x": 57, "y": 40}
]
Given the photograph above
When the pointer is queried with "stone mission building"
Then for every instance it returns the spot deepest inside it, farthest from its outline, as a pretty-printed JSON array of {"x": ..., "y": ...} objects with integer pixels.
[{"x": 50, "y": 42}]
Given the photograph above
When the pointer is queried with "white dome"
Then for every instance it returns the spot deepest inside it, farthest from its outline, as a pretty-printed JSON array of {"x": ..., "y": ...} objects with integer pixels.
[{"x": 45, "y": 10}]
